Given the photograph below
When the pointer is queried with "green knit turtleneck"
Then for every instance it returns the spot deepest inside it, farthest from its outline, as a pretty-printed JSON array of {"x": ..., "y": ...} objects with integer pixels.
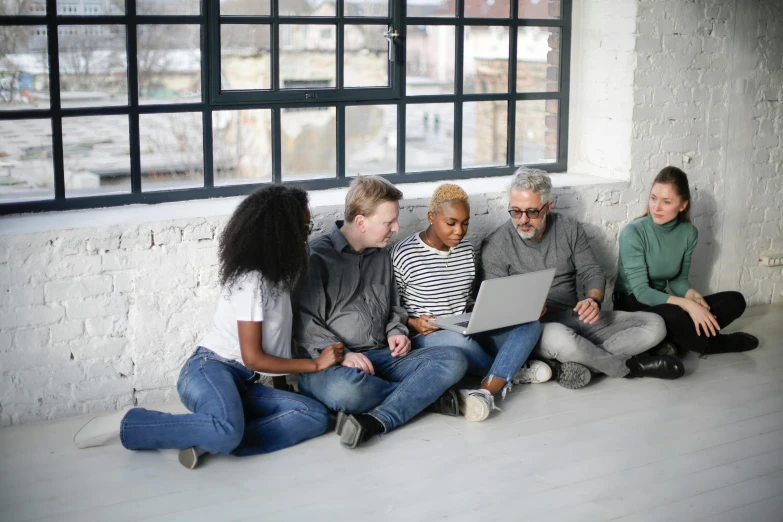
[{"x": 653, "y": 255}]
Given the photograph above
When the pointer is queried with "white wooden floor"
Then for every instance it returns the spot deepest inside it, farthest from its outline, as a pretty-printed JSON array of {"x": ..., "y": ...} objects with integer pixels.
[{"x": 708, "y": 446}]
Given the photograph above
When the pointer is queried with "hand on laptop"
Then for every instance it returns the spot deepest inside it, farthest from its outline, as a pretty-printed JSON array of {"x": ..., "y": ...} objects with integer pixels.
[
  {"x": 399, "y": 345},
  {"x": 423, "y": 324},
  {"x": 543, "y": 311}
]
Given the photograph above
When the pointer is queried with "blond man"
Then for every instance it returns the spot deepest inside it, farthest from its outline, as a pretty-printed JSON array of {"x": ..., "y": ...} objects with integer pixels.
[{"x": 350, "y": 297}]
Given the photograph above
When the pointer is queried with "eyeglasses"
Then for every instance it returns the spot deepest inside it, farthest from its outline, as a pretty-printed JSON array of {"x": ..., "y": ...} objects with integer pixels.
[
  {"x": 309, "y": 226},
  {"x": 531, "y": 212}
]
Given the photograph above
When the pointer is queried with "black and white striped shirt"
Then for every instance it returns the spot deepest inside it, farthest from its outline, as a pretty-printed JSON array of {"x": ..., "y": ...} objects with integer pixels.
[{"x": 433, "y": 282}]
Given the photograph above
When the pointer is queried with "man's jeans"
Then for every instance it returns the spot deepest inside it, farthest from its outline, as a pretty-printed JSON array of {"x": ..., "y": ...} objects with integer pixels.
[
  {"x": 605, "y": 346},
  {"x": 231, "y": 414},
  {"x": 400, "y": 389},
  {"x": 497, "y": 353}
]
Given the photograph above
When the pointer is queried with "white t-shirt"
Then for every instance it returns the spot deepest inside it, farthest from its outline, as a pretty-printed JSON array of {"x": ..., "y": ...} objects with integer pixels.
[{"x": 243, "y": 302}]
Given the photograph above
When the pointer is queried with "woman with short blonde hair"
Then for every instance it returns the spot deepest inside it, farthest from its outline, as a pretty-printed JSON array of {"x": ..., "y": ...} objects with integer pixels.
[{"x": 435, "y": 272}]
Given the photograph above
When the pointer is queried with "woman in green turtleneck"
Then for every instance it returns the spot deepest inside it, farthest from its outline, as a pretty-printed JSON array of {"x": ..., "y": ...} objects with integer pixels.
[{"x": 656, "y": 250}]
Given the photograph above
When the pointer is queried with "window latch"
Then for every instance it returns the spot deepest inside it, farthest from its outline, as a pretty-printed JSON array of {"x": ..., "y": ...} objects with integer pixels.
[{"x": 390, "y": 35}]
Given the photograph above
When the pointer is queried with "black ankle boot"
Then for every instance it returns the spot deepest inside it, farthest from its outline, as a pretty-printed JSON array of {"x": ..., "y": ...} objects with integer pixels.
[
  {"x": 355, "y": 429},
  {"x": 733, "y": 342},
  {"x": 660, "y": 366}
]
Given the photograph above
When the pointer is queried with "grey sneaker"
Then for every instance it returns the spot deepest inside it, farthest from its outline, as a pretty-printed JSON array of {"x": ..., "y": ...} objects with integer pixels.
[
  {"x": 570, "y": 375},
  {"x": 533, "y": 372},
  {"x": 476, "y": 405},
  {"x": 188, "y": 457}
]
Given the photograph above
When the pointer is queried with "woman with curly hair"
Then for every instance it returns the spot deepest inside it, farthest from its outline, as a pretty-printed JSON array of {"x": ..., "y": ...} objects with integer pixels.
[
  {"x": 435, "y": 271},
  {"x": 262, "y": 253}
]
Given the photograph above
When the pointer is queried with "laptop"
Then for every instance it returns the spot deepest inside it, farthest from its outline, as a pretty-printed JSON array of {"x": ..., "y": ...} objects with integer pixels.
[{"x": 501, "y": 302}]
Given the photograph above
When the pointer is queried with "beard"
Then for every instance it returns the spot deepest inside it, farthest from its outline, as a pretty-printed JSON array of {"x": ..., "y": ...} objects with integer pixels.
[{"x": 532, "y": 232}]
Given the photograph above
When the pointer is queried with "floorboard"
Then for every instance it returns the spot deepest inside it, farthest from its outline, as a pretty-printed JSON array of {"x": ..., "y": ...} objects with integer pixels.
[{"x": 707, "y": 447}]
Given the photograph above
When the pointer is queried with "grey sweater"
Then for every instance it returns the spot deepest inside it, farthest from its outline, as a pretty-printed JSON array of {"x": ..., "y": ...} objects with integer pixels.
[{"x": 563, "y": 247}]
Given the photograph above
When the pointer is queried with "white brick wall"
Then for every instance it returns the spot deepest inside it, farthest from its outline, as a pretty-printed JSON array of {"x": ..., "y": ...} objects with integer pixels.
[{"x": 95, "y": 319}]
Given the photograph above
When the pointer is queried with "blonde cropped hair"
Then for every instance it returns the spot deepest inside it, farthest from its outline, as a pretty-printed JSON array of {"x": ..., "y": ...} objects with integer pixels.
[
  {"x": 366, "y": 193},
  {"x": 446, "y": 194}
]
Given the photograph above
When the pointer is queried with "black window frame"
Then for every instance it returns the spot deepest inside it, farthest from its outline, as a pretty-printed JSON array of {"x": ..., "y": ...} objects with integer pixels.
[{"x": 213, "y": 100}]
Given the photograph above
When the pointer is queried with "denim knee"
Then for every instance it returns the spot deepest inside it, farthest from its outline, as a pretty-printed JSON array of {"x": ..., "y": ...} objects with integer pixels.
[
  {"x": 452, "y": 363},
  {"x": 229, "y": 436},
  {"x": 346, "y": 395},
  {"x": 317, "y": 412}
]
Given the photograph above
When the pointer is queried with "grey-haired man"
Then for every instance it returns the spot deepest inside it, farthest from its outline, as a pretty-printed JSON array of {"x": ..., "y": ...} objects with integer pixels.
[{"x": 577, "y": 336}]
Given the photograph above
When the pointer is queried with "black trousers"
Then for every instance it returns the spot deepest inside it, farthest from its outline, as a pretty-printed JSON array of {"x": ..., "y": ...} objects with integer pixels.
[{"x": 680, "y": 328}]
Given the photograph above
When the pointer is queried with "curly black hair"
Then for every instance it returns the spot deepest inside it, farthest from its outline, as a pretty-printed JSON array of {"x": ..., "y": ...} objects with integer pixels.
[{"x": 267, "y": 233}]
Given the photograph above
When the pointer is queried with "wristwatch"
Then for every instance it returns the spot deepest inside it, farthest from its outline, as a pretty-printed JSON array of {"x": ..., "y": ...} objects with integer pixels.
[{"x": 596, "y": 301}]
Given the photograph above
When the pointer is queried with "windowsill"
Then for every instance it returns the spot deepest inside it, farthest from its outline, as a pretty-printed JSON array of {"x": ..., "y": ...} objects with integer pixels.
[{"x": 134, "y": 214}]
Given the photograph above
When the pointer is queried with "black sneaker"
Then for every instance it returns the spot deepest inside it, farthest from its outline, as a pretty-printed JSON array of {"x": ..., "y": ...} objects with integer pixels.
[
  {"x": 570, "y": 375},
  {"x": 447, "y": 404}
]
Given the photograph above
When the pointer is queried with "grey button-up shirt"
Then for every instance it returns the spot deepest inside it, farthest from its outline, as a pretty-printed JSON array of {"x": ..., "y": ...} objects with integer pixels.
[{"x": 348, "y": 297}]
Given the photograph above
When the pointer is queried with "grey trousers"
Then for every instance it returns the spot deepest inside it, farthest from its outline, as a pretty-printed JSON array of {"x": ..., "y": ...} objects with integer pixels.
[{"x": 605, "y": 346}]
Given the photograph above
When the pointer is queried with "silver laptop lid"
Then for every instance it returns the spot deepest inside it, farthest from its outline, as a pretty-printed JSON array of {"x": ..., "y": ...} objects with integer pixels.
[{"x": 511, "y": 300}]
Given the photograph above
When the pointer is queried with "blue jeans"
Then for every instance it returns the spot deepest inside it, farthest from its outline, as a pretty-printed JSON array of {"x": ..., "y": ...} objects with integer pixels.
[
  {"x": 231, "y": 414},
  {"x": 497, "y": 353},
  {"x": 400, "y": 389}
]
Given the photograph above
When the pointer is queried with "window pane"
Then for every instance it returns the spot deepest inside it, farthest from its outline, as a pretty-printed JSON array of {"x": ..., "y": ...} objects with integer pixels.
[
  {"x": 245, "y": 7},
  {"x": 538, "y": 59},
  {"x": 308, "y": 56},
  {"x": 366, "y": 56},
  {"x": 367, "y": 8},
  {"x": 484, "y": 132},
  {"x": 26, "y": 170},
  {"x": 429, "y": 137},
  {"x": 536, "y": 132},
  {"x": 309, "y": 138},
  {"x": 172, "y": 151},
  {"x": 169, "y": 63},
  {"x": 97, "y": 155},
  {"x": 539, "y": 8},
  {"x": 242, "y": 146},
  {"x": 432, "y": 8},
  {"x": 15, "y": 7},
  {"x": 487, "y": 9},
  {"x": 24, "y": 68},
  {"x": 430, "y": 60},
  {"x": 90, "y": 7},
  {"x": 370, "y": 140},
  {"x": 486, "y": 59},
  {"x": 307, "y": 8},
  {"x": 93, "y": 65},
  {"x": 245, "y": 62}
]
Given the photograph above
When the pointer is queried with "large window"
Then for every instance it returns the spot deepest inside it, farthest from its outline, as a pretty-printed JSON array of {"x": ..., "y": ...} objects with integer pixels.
[{"x": 111, "y": 102}]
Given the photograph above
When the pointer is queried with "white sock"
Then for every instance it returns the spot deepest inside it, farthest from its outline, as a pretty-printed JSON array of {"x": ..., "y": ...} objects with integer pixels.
[{"x": 99, "y": 431}]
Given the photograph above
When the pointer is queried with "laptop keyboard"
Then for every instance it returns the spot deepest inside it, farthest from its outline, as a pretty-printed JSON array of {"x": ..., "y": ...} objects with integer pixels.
[{"x": 462, "y": 325}]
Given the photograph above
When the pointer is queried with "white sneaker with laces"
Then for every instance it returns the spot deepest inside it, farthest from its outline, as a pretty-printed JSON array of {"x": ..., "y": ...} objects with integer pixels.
[
  {"x": 533, "y": 372},
  {"x": 476, "y": 405}
]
